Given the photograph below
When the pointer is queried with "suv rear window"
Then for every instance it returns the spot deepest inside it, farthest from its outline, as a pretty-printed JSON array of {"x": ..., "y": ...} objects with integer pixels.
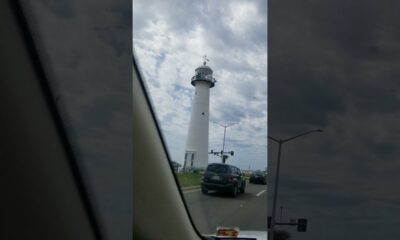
[{"x": 217, "y": 168}]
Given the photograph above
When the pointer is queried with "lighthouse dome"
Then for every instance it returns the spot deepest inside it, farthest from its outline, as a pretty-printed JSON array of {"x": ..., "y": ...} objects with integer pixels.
[
  {"x": 204, "y": 69},
  {"x": 203, "y": 73}
]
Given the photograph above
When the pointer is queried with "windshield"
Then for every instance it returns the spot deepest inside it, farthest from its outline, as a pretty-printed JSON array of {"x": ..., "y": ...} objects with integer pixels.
[
  {"x": 217, "y": 168},
  {"x": 205, "y": 67}
]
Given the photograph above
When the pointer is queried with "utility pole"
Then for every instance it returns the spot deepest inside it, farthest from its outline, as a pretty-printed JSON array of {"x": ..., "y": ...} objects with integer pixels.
[{"x": 222, "y": 153}]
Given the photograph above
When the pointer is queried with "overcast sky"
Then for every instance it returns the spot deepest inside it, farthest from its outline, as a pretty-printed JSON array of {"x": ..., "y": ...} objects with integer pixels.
[
  {"x": 334, "y": 65},
  {"x": 170, "y": 38}
]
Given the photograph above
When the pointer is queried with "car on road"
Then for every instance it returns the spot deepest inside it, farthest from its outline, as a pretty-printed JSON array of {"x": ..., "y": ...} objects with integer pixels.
[
  {"x": 258, "y": 177},
  {"x": 223, "y": 177}
]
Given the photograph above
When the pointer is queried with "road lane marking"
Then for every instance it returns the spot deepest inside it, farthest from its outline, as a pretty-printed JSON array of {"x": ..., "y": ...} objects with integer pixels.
[{"x": 258, "y": 194}]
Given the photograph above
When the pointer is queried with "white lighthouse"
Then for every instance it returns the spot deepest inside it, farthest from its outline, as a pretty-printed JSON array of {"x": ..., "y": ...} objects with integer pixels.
[{"x": 196, "y": 155}]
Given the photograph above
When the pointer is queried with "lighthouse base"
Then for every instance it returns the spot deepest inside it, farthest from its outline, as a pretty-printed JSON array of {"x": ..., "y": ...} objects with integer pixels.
[{"x": 190, "y": 164}]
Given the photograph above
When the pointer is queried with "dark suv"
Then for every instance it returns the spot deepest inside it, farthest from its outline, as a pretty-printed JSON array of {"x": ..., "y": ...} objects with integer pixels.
[
  {"x": 223, "y": 177},
  {"x": 258, "y": 177}
]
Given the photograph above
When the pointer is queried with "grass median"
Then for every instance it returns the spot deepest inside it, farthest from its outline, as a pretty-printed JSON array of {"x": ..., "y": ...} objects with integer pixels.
[{"x": 189, "y": 179}]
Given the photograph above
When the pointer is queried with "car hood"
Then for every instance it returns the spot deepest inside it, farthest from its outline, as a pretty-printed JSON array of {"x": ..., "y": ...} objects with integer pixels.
[
  {"x": 259, "y": 235},
  {"x": 245, "y": 235}
]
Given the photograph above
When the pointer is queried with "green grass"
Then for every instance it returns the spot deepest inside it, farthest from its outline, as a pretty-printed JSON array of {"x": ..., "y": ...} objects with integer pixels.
[{"x": 189, "y": 179}]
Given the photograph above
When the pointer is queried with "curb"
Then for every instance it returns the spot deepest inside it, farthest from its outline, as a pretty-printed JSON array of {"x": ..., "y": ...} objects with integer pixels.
[{"x": 190, "y": 188}]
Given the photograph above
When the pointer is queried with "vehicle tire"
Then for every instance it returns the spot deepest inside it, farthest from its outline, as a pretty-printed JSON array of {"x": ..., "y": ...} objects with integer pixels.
[
  {"x": 204, "y": 191},
  {"x": 235, "y": 191}
]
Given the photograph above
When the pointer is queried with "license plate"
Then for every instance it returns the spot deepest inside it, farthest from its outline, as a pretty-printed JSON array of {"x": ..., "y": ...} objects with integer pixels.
[{"x": 215, "y": 178}]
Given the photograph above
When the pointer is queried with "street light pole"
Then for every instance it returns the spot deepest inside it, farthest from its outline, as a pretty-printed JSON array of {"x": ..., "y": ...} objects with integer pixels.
[
  {"x": 280, "y": 142},
  {"x": 223, "y": 142}
]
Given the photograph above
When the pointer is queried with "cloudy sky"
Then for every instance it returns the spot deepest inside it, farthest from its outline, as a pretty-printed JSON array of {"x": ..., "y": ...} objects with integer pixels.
[
  {"x": 170, "y": 38},
  {"x": 334, "y": 65}
]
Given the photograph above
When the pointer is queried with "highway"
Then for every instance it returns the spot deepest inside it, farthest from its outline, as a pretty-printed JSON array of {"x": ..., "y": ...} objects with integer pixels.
[{"x": 247, "y": 211}]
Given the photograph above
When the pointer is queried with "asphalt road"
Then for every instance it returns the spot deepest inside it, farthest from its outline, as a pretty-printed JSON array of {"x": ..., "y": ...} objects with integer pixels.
[{"x": 247, "y": 211}]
